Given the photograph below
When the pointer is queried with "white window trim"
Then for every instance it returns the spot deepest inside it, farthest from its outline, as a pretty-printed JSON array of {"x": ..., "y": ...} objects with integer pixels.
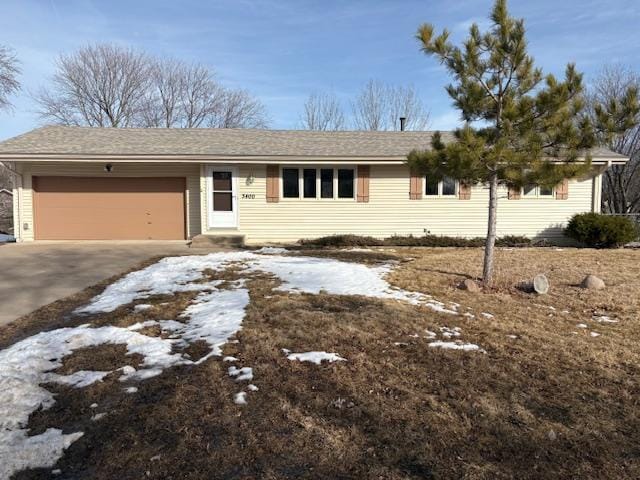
[
  {"x": 536, "y": 193},
  {"x": 318, "y": 197},
  {"x": 440, "y": 186}
]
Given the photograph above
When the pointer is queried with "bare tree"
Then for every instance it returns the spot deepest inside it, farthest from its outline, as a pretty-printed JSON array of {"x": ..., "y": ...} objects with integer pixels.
[
  {"x": 161, "y": 106},
  {"x": 322, "y": 111},
  {"x": 379, "y": 106},
  {"x": 621, "y": 188},
  {"x": 9, "y": 71},
  {"x": 404, "y": 102},
  {"x": 239, "y": 109},
  {"x": 371, "y": 107},
  {"x": 98, "y": 86},
  {"x": 111, "y": 86}
]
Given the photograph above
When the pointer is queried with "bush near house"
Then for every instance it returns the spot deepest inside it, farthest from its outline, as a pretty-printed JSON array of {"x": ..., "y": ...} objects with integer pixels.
[
  {"x": 411, "y": 241},
  {"x": 601, "y": 231}
]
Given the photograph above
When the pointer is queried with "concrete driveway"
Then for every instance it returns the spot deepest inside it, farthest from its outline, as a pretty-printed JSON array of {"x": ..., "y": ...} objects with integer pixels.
[{"x": 35, "y": 274}]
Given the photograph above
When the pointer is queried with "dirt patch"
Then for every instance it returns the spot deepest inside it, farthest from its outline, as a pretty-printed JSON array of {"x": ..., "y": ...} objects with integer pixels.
[
  {"x": 101, "y": 358},
  {"x": 542, "y": 402}
]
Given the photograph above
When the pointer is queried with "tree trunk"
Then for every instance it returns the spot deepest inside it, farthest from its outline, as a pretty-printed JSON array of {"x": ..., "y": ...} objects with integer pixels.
[{"x": 487, "y": 272}]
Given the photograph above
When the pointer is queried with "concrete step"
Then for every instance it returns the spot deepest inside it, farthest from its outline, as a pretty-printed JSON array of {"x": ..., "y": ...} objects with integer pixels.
[{"x": 217, "y": 241}]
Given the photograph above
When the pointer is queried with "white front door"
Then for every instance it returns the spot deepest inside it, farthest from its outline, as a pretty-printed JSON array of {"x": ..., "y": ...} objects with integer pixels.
[{"x": 222, "y": 186}]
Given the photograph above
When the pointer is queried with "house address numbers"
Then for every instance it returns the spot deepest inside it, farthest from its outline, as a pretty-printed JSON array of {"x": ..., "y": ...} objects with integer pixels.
[{"x": 248, "y": 196}]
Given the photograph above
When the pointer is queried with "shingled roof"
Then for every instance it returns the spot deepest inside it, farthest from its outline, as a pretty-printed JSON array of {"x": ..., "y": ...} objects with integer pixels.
[{"x": 218, "y": 142}]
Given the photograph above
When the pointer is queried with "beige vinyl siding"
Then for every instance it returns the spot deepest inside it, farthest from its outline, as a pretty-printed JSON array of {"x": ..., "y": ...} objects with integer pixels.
[
  {"x": 190, "y": 171},
  {"x": 389, "y": 211}
]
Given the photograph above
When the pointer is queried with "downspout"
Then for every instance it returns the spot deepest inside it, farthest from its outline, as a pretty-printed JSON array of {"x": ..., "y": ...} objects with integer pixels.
[{"x": 17, "y": 210}]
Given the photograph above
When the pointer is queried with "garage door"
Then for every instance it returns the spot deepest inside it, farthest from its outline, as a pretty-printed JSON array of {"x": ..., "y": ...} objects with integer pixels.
[{"x": 80, "y": 208}]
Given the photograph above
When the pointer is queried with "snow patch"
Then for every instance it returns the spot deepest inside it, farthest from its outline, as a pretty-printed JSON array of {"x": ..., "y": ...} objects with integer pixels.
[
  {"x": 241, "y": 374},
  {"x": 469, "y": 347},
  {"x": 29, "y": 363},
  {"x": 316, "y": 357},
  {"x": 272, "y": 250},
  {"x": 240, "y": 398},
  {"x": 142, "y": 307}
]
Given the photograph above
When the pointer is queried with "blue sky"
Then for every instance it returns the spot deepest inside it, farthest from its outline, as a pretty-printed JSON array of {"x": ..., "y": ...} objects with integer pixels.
[{"x": 283, "y": 50}]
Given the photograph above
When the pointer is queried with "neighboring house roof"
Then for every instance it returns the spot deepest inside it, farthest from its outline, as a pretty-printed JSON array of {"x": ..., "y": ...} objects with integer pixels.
[{"x": 59, "y": 141}]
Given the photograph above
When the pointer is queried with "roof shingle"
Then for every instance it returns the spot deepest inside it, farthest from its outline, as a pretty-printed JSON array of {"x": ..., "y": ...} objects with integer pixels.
[{"x": 148, "y": 142}]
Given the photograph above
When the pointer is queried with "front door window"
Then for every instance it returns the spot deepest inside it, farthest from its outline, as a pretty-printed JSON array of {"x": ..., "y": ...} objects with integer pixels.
[
  {"x": 222, "y": 191},
  {"x": 222, "y": 197}
]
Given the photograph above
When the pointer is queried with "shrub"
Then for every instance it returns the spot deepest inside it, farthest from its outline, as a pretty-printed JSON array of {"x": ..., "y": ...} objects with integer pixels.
[
  {"x": 412, "y": 241},
  {"x": 342, "y": 241},
  {"x": 512, "y": 241},
  {"x": 601, "y": 231}
]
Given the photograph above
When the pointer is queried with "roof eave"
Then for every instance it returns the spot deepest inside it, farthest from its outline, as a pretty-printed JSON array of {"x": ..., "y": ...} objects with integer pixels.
[{"x": 200, "y": 158}]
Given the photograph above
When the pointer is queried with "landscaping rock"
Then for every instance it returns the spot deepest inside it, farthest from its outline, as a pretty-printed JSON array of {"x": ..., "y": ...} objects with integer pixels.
[
  {"x": 469, "y": 285},
  {"x": 540, "y": 284},
  {"x": 591, "y": 282}
]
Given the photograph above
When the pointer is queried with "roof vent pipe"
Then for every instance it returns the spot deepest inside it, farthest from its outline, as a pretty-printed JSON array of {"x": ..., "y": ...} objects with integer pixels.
[{"x": 403, "y": 120}]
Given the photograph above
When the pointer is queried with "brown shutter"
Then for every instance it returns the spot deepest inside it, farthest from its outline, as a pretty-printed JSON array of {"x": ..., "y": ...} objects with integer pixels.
[
  {"x": 464, "y": 191},
  {"x": 273, "y": 190},
  {"x": 562, "y": 190},
  {"x": 363, "y": 183},
  {"x": 514, "y": 193},
  {"x": 415, "y": 186}
]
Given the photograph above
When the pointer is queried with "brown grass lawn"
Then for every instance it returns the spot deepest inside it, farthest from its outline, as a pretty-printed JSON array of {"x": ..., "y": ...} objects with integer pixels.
[{"x": 546, "y": 400}]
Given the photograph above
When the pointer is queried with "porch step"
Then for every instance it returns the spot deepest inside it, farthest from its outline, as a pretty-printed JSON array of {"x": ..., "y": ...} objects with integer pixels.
[{"x": 216, "y": 241}]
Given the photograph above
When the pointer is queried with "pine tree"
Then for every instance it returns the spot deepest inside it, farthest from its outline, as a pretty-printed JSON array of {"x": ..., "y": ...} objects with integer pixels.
[{"x": 521, "y": 127}]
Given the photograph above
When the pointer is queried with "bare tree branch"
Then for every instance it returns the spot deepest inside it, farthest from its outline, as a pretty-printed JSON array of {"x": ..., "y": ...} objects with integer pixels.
[
  {"x": 322, "y": 111},
  {"x": 621, "y": 192},
  {"x": 379, "y": 107},
  {"x": 9, "y": 71},
  {"x": 239, "y": 109},
  {"x": 111, "y": 86},
  {"x": 100, "y": 86}
]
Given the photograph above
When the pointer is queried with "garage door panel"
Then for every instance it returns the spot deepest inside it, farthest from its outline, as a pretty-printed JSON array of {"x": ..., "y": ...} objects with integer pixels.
[{"x": 81, "y": 208}]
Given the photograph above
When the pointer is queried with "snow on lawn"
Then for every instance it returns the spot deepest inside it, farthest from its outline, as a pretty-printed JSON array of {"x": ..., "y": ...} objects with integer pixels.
[
  {"x": 214, "y": 316},
  {"x": 298, "y": 274},
  {"x": 29, "y": 363},
  {"x": 468, "y": 347},
  {"x": 316, "y": 357}
]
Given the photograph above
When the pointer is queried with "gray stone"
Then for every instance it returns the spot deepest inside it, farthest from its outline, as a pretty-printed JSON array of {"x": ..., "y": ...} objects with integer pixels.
[
  {"x": 591, "y": 282},
  {"x": 469, "y": 285}
]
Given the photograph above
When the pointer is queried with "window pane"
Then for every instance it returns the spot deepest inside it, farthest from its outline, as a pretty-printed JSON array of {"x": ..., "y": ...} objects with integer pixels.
[
  {"x": 529, "y": 190},
  {"x": 432, "y": 186},
  {"x": 448, "y": 186},
  {"x": 222, "y": 181},
  {"x": 290, "y": 187},
  {"x": 222, "y": 201},
  {"x": 309, "y": 176},
  {"x": 546, "y": 191},
  {"x": 326, "y": 183},
  {"x": 345, "y": 183}
]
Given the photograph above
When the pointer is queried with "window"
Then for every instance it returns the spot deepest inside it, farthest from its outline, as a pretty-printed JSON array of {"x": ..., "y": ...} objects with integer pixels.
[
  {"x": 345, "y": 183},
  {"x": 290, "y": 186},
  {"x": 222, "y": 191},
  {"x": 545, "y": 191},
  {"x": 318, "y": 183},
  {"x": 326, "y": 183},
  {"x": 448, "y": 186},
  {"x": 535, "y": 191},
  {"x": 445, "y": 187},
  {"x": 309, "y": 182},
  {"x": 432, "y": 186}
]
